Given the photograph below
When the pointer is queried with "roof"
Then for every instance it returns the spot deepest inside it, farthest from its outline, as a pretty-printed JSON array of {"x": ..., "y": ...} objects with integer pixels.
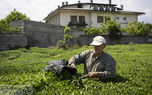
[
  {"x": 89, "y": 4},
  {"x": 131, "y": 12},
  {"x": 85, "y": 9}
]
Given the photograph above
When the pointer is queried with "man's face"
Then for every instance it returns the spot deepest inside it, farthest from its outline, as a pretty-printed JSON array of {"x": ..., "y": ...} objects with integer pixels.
[{"x": 98, "y": 49}]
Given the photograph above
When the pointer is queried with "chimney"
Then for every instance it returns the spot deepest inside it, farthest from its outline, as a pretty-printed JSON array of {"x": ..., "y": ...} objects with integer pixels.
[
  {"x": 66, "y": 3},
  {"x": 109, "y": 2},
  {"x": 91, "y": 1},
  {"x": 62, "y": 3},
  {"x": 58, "y": 6},
  {"x": 78, "y": 1},
  {"x": 121, "y": 6}
]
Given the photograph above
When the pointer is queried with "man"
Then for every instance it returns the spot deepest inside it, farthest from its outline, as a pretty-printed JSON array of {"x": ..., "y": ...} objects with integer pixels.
[{"x": 97, "y": 63}]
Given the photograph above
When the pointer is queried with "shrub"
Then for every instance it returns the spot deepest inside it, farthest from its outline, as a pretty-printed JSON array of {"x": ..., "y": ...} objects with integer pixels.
[
  {"x": 67, "y": 38},
  {"x": 93, "y": 31},
  {"x": 61, "y": 44},
  {"x": 138, "y": 29},
  {"x": 113, "y": 29}
]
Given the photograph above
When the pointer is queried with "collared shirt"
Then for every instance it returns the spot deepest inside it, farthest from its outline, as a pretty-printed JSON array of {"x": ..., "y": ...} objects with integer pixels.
[{"x": 104, "y": 64}]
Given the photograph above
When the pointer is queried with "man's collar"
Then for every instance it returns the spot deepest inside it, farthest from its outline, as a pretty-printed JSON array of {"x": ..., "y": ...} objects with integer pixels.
[{"x": 102, "y": 53}]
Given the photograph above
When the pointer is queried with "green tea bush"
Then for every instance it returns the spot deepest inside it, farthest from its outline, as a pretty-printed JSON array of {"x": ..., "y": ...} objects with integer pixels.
[
  {"x": 133, "y": 67},
  {"x": 61, "y": 44}
]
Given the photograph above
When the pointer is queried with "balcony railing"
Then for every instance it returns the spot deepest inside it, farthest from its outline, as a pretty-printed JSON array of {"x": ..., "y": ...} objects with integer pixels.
[{"x": 77, "y": 24}]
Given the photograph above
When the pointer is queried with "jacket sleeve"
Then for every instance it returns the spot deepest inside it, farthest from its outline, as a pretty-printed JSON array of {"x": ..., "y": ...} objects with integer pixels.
[
  {"x": 110, "y": 70},
  {"x": 78, "y": 59}
]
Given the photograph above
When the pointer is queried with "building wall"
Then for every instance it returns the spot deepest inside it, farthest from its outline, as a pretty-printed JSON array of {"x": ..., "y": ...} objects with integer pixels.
[
  {"x": 63, "y": 18},
  {"x": 86, "y": 6},
  {"x": 55, "y": 20}
]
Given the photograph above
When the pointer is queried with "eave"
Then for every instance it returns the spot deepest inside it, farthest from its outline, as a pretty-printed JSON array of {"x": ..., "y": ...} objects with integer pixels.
[{"x": 89, "y": 10}]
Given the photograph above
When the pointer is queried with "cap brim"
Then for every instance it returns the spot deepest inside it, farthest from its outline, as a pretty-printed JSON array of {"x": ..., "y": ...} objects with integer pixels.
[{"x": 95, "y": 43}]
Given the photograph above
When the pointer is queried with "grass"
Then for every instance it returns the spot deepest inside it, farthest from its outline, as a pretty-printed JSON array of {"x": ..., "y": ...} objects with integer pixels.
[{"x": 134, "y": 73}]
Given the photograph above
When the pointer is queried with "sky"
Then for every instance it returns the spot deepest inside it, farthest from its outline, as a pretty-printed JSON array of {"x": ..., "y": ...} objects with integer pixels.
[{"x": 37, "y": 10}]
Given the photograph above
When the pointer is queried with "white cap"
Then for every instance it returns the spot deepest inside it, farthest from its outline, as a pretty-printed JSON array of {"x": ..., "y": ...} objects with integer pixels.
[{"x": 98, "y": 40}]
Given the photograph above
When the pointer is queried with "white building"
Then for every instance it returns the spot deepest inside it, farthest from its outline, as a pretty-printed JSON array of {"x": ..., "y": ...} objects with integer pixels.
[{"x": 91, "y": 14}]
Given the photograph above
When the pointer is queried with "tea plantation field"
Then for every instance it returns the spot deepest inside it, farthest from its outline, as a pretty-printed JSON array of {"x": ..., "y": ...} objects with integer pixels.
[{"x": 21, "y": 72}]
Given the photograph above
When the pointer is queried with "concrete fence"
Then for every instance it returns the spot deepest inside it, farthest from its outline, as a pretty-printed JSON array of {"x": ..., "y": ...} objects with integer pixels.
[
  {"x": 44, "y": 35},
  {"x": 40, "y": 34},
  {"x": 87, "y": 39},
  {"x": 11, "y": 41}
]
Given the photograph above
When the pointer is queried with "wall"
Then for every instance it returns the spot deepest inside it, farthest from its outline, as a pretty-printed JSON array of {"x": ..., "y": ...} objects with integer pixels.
[
  {"x": 55, "y": 20},
  {"x": 40, "y": 34},
  {"x": 87, "y": 39},
  {"x": 44, "y": 35},
  {"x": 11, "y": 41}
]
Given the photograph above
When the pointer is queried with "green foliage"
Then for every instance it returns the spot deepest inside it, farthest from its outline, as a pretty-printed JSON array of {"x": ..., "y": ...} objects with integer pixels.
[
  {"x": 3, "y": 26},
  {"x": 138, "y": 28},
  {"x": 16, "y": 15},
  {"x": 61, "y": 44},
  {"x": 67, "y": 30},
  {"x": 112, "y": 28},
  {"x": 67, "y": 38},
  {"x": 133, "y": 71},
  {"x": 78, "y": 24},
  {"x": 107, "y": 18},
  {"x": 94, "y": 30},
  {"x": 13, "y": 16},
  {"x": 131, "y": 46},
  {"x": 130, "y": 29}
]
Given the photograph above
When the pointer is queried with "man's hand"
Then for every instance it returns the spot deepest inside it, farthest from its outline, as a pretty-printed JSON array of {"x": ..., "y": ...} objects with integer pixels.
[
  {"x": 93, "y": 74},
  {"x": 73, "y": 66}
]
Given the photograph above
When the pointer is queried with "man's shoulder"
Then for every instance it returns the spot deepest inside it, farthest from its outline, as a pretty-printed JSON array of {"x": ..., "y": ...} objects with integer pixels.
[
  {"x": 88, "y": 51},
  {"x": 107, "y": 55}
]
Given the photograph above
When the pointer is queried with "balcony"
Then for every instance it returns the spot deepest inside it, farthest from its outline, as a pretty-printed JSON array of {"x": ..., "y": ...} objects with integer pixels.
[{"x": 77, "y": 24}]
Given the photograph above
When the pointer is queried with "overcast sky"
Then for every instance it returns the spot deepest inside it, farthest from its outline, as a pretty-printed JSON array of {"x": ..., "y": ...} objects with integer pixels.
[{"x": 37, "y": 10}]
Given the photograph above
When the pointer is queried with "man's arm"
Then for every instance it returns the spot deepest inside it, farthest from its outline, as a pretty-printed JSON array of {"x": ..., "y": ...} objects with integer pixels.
[
  {"x": 109, "y": 72},
  {"x": 78, "y": 59}
]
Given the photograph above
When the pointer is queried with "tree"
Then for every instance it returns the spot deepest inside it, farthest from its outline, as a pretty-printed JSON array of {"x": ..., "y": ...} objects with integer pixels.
[
  {"x": 93, "y": 30},
  {"x": 13, "y": 16},
  {"x": 112, "y": 28},
  {"x": 67, "y": 38},
  {"x": 16, "y": 15},
  {"x": 138, "y": 28},
  {"x": 130, "y": 28},
  {"x": 3, "y": 25}
]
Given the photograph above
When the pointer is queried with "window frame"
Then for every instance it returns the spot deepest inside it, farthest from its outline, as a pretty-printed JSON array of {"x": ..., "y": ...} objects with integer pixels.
[
  {"x": 73, "y": 18},
  {"x": 100, "y": 19}
]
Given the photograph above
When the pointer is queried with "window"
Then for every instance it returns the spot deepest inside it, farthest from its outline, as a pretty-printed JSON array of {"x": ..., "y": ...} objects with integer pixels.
[
  {"x": 73, "y": 18},
  {"x": 117, "y": 18},
  {"x": 125, "y": 18},
  {"x": 81, "y": 19},
  {"x": 99, "y": 19}
]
